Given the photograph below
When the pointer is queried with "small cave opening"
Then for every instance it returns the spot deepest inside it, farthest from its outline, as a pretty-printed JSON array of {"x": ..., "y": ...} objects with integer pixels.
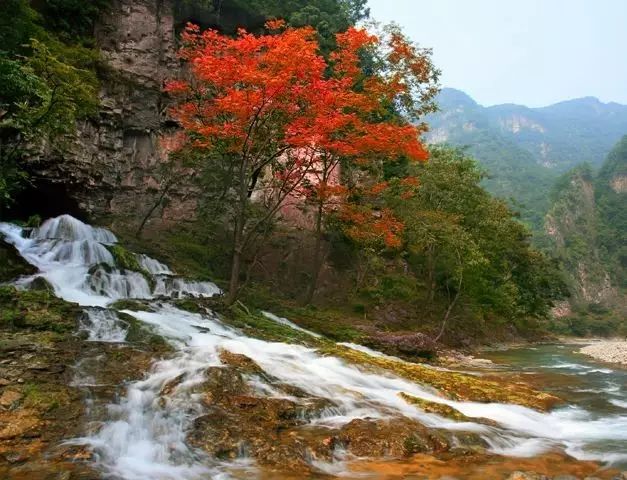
[{"x": 43, "y": 198}]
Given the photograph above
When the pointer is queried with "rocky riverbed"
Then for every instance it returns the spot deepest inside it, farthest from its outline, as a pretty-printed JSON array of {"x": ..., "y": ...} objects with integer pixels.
[
  {"x": 613, "y": 352},
  {"x": 117, "y": 368}
]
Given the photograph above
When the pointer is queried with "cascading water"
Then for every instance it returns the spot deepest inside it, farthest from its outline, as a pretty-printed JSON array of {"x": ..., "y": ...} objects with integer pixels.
[{"x": 145, "y": 434}]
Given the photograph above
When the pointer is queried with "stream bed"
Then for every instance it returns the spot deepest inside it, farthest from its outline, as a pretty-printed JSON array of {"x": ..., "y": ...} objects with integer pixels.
[
  {"x": 145, "y": 433},
  {"x": 593, "y": 389}
]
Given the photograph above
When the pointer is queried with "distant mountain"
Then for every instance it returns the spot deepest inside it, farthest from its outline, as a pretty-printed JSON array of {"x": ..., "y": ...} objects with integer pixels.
[{"x": 523, "y": 149}]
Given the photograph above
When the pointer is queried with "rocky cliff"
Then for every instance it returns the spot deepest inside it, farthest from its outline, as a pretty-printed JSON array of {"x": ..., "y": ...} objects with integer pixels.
[
  {"x": 112, "y": 165},
  {"x": 572, "y": 224},
  {"x": 587, "y": 224}
]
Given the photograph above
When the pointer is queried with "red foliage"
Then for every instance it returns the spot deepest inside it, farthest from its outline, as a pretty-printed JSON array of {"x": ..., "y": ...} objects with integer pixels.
[{"x": 272, "y": 101}]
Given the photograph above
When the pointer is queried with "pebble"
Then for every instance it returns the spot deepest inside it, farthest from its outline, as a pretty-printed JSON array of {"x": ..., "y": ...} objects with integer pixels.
[{"x": 614, "y": 352}]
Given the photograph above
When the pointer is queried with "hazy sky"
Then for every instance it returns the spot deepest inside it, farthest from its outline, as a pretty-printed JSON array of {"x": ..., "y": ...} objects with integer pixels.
[{"x": 532, "y": 52}]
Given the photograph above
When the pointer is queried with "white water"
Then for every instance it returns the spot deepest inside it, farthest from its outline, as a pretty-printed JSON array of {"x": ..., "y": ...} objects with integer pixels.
[{"x": 144, "y": 437}]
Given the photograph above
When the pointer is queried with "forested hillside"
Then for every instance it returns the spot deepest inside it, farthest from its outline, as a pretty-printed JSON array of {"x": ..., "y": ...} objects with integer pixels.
[
  {"x": 379, "y": 238},
  {"x": 524, "y": 149},
  {"x": 588, "y": 231}
]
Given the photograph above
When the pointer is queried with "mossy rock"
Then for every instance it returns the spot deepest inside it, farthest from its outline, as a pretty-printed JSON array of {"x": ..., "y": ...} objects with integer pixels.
[
  {"x": 100, "y": 266},
  {"x": 36, "y": 310},
  {"x": 255, "y": 324},
  {"x": 12, "y": 265},
  {"x": 141, "y": 334},
  {"x": 433, "y": 407},
  {"x": 455, "y": 385},
  {"x": 443, "y": 410},
  {"x": 124, "y": 259},
  {"x": 127, "y": 260},
  {"x": 45, "y": 398},
  {"x": 129, "y": 304},
  {"x": 41, "y": 284}
]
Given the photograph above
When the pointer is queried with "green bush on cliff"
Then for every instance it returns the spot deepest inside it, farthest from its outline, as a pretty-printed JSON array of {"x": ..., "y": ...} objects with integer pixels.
[{"x": 46, "y": 85}]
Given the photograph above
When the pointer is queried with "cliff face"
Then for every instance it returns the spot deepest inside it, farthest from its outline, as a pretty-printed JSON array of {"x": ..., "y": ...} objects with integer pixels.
[
  {"x": 587, "y": 223},
  {"x": 112, "y": 166},
  {"x": 572, "y": 224}
]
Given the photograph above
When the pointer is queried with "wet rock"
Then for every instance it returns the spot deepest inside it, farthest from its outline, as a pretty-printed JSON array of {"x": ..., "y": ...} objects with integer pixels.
[
  {"x": 399, "y": 437},
  {"x": 171, "y": 385},
  {"x": 527, "y": 476},
  {"x": 271, "y": 430},
  {"x": 455, "y": 385},
  {"x": 12, "y": 265},
  {"x": 242, "y": 363},
  {"x": 41, "y": 284},
  {"x": 221, "y": 384},
  {"x": 18, "y": 423},
  {"x": 9, "y": 399}
]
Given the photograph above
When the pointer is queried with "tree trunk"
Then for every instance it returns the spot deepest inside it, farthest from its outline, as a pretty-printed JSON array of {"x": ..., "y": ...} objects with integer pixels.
[
  {"x": 238, "y": 237},
  {"x": 150, "y": 212},
  {"x": 317, "y": 260},
  {"x": 236, "y": 266},
  {"x": 453, "y": 302}
]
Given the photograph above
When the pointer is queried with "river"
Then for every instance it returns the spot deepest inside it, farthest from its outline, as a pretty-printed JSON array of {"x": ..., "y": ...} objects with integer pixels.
[
  {"x": 594, "y": 390},
  {"x": 144, "y": 436}
]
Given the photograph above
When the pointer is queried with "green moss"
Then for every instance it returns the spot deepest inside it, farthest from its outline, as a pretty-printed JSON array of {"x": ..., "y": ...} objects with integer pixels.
[
  {"x": 455, "y": 385},
  {"x": 142, "y": 334},
  {"x": 127, "y": 260},
  {"x": 253, "y": 323},
  {"x": 44, "y": 398},
  {"x": 334, "y": 323},
  {"x": 36, "y": 310},
  {"x": 193, "y": 305},
  {"x": 128, "y": 304},
  {"x": 124, "y": 259}
]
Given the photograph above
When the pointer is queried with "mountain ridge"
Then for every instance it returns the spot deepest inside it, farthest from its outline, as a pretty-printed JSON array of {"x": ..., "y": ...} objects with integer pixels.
[{"x": 523, "y": 149}]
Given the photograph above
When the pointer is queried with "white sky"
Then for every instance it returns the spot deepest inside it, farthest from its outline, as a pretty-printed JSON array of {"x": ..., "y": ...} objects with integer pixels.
[{"x": 531, "y": 52}]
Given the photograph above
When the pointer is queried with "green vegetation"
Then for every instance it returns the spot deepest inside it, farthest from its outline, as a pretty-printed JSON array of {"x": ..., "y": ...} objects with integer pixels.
[
  {"x": 44, "y": 399},
  {"x": 587, "y": 225},
  {"x": 327, "y": 16},
  {"x": 610, "y": 195},
  {"x": 468, "y": 247},
  {"x": 592, "y": 320},
  {"x": 123, "y": 258},
  {"x": 523, "y": 149},
  {"x": 37, "y": 310},
  {"x": 47, "y": 81}
]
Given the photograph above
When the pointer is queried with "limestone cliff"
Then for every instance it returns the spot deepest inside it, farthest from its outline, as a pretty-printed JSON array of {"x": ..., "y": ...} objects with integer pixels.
[{"x": 111, "y": 167}]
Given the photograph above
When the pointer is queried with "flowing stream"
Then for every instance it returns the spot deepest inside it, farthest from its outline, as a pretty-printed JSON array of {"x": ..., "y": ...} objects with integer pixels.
[{"x": 144, "y": 436}]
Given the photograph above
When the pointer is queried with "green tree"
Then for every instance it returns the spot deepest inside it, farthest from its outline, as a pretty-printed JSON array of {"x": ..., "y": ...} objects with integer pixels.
[
  {"x": 42, "y": 97},
  {"x": 468, "y": 246}
]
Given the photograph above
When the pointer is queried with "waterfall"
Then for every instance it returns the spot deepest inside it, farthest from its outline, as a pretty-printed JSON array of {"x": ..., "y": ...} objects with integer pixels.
[{"x": 144, "y": 437}]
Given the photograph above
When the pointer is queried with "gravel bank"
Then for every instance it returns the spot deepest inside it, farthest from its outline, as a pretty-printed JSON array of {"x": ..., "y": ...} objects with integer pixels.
[{"x": 615, "y": 352}]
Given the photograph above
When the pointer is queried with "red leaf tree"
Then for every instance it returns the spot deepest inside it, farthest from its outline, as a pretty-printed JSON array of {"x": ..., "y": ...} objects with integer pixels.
[{"x": 278, "y": 119}]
